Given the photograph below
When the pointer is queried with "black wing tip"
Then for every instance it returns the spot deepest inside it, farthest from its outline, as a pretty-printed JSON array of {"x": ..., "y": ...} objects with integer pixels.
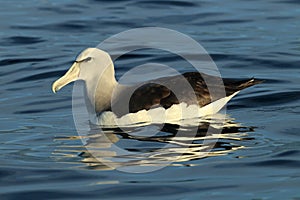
[
  {"x": 251, "y": 82},
  {"x": 256, "y": 81}
]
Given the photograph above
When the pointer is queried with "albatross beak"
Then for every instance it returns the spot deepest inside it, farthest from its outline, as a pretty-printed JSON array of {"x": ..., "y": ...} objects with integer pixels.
[{"x": 71, "y": 75}]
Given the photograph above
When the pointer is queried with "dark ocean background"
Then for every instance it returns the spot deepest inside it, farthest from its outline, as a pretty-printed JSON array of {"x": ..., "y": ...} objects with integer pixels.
[{"x": 41, "y": 155}]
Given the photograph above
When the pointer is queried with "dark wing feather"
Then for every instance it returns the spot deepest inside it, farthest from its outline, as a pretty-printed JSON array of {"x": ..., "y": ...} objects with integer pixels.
[
  {"x": 147, "y": 96},
  {"x": 160, "y": 92}
]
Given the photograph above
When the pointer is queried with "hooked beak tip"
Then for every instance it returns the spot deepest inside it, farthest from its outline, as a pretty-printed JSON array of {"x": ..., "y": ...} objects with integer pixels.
[
  {"x": 71, "y": 75},
  {"x": 54, "y": 88}
]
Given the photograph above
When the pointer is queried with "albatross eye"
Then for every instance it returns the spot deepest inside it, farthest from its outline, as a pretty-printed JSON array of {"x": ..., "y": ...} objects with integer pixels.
[
  {"x": 87, "y": 59},
  {"x": 84, "y": 60}
]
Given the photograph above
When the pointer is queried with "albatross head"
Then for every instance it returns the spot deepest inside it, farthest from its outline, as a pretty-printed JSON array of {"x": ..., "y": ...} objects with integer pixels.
[{"x": 92, "y": 65}]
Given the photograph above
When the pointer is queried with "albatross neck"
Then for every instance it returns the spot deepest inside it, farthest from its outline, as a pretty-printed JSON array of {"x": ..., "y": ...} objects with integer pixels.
[{"x": 100, "y": 90}]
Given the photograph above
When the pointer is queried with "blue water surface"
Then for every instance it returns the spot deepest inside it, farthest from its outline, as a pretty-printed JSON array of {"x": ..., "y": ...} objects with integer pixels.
[{"x": 42, "y": 156}]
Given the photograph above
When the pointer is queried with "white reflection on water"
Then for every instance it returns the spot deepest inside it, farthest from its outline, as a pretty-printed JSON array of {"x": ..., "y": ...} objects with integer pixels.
[{"x": 145, "y": 152}]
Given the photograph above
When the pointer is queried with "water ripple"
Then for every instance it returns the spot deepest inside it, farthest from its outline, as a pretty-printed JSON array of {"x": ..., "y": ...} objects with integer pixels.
[
  {"x": 21, "y": 40},
  {"x": 6, "y": 62}
]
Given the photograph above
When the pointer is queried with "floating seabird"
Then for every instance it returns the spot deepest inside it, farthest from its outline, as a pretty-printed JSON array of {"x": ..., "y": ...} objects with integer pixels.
[{"x": 149, "y": 99}]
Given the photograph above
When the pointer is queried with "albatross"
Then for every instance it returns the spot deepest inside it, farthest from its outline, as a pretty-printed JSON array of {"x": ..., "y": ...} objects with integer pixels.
[{"x": 150, "y": 101}]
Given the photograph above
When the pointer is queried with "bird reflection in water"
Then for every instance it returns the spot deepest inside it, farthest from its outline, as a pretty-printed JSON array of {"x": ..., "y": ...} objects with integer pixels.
[{"x": 116, "y": 148}]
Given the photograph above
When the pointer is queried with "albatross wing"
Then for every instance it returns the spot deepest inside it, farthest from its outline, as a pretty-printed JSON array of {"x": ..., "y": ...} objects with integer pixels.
[{"x": 159, "y": 92}]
